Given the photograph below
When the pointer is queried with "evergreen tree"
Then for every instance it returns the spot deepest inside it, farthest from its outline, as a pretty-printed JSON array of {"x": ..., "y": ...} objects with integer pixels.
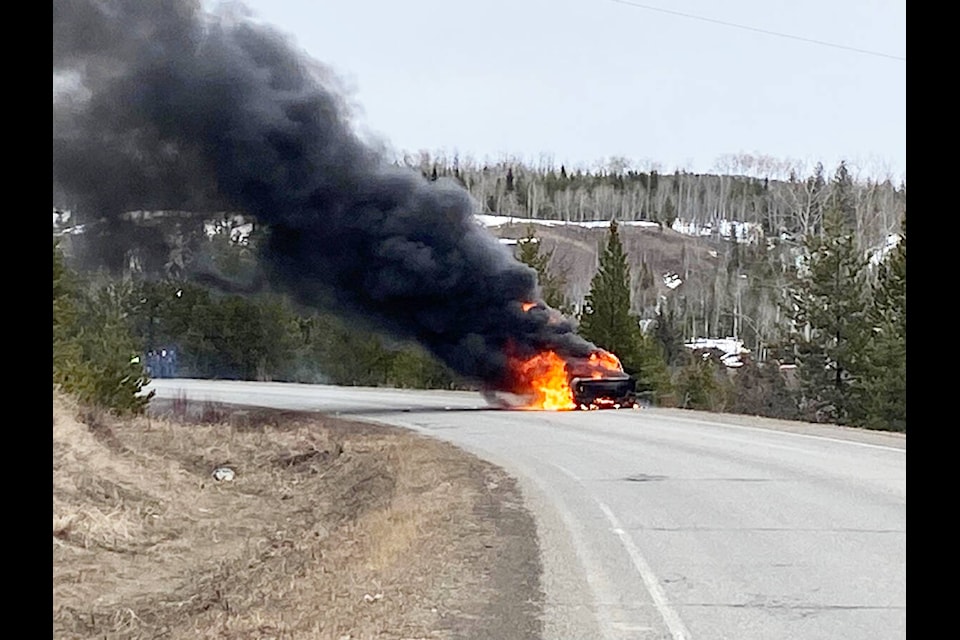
[
  {"x": 669, "y": 336},
  {"x": 65, "y": 349},
  {"x": 816, "y": 186},
  {"x": 412, "y": 367},
  {"x": 646, "y": 276},
  {"x": 606, "y": 320},
  {"x": 885, "y": 385},
  {"x": 94, "y": 354},
  {"x": 653, "y": 376},
  {"x": 842, "y": 201},
  {"x": 645, "y": 285},
  {"x": 829, "y": 304},
  {"x": 551, "y": 285},
  {"x": 704, "y": 384}
]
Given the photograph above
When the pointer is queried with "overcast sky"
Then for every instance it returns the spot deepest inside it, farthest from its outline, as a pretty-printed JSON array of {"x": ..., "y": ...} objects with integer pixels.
[{"x": 579, "y": 81}]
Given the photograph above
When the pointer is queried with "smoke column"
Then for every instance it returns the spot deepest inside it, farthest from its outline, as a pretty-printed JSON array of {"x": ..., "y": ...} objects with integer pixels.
[{"x": 163, "y": 105}]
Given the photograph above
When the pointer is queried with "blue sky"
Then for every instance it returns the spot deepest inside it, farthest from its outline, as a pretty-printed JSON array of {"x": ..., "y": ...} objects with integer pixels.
[{"x": 579, "y": 81}]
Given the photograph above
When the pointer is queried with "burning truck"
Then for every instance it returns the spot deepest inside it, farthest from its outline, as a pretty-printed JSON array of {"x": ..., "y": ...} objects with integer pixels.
[
  {"x": 549, "y": 380},
  {"x": 610, "y": 392}
]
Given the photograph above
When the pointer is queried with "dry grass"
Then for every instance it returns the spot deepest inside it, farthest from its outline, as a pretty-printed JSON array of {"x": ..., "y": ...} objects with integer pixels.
[{"x": 329, "y": 530}]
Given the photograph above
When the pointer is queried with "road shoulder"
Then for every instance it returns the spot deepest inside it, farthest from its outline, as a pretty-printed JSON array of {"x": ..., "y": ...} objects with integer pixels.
[
  {"x": 329, "y": 529},
  {"x": 890, "y": 439}
]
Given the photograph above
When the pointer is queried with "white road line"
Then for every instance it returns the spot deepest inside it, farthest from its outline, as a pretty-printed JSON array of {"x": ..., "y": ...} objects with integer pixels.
[
  {"x": 678, "y": 631},
  {"x": 672, "y": 619},
  {"x": 779, "y": 432}
]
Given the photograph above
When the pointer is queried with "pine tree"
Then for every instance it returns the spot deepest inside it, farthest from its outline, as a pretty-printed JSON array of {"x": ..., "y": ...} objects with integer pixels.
[
  {"x": 885, "y": 385},
  {"x": 703, "y": 384},
  {"x": 829, "y": 304},
  {"x": 816, "y": 186},
  {"x": 653, "y": 376},
  {"x": 645, "y": 285},
  {"x": 65, "y": 291},
  {"x": 669, "y": 336},
  {"x": 551, "y": 285},
  {"x": 94, "y": 353},
  {"x": 842, "y": 199},
  {"x": 606, "y": 320}
]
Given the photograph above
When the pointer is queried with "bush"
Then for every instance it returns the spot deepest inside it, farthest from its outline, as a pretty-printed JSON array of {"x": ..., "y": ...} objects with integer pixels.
[
  {"x": 760, "y": 389},
  {"x": 703, "y": 384},
  {"x": 95, "y": 357}
]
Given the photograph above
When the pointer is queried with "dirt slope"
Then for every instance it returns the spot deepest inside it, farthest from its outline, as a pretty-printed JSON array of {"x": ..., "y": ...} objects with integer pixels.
[
  {"x": 330, "y": 529},
  {"x": 576, "y": 252}
]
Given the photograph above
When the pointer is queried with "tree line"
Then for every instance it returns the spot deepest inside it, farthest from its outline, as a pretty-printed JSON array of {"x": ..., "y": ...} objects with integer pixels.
[
  {"x": 779, "y": 197},
  {"x": 107, "y": 329}
]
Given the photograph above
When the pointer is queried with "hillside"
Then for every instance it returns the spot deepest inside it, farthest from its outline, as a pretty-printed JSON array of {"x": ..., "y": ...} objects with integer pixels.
[{"x": 575, "y": 248}]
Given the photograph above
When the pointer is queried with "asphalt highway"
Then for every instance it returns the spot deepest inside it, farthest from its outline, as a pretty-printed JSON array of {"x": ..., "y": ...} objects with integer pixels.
[{"x": 658, "y": 523}]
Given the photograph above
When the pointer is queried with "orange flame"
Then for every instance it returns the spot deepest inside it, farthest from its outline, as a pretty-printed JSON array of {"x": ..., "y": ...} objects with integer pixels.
[
  {"x": 526, "y": 306},
  {"x": 544, "y": 377},
  {"x": 602, "y": 362}
]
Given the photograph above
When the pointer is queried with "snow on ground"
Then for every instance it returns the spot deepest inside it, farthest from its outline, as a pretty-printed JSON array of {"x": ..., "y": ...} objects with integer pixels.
[
  {"x": 499, "y": 221},
  {"x": 749, "y": 232},
  {"x": 744, "y": 231},
  {"x": 878, "y": 254},
  {"x": 732, "y": 349}
]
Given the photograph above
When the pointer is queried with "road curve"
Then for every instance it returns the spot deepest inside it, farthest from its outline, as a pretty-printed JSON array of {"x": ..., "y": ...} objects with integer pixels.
[{"x": 661, "y": 523}]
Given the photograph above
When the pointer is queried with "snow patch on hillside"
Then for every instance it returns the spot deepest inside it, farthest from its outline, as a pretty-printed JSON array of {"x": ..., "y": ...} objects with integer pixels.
[
  {"x": 492, "y": 221},
  {"x": 732, "y": 349},
  {"x": 880, "y": 253}
]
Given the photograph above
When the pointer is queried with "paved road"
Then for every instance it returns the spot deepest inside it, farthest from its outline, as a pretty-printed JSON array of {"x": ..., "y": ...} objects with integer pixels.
[{"x": 660, "y": 523}]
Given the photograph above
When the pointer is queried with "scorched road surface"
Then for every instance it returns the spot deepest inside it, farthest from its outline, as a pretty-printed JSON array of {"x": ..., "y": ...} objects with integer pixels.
[{"x": 659, "y": 523}]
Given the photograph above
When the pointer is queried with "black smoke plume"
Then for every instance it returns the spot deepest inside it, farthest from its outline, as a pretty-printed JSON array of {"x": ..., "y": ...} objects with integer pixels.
[{"x": 163, "y": 105}]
